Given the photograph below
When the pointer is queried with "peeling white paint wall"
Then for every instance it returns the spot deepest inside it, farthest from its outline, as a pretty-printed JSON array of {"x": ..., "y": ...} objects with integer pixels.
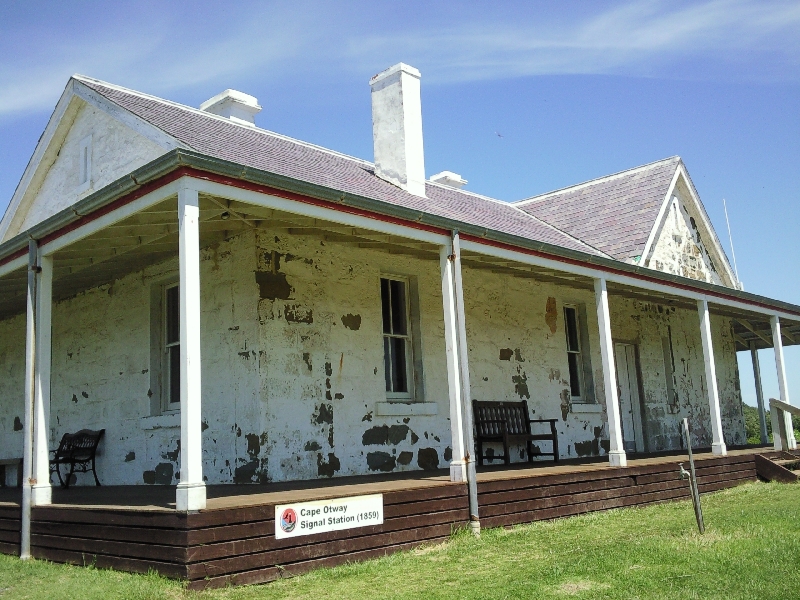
[
  {"x": 116, "y": 151},
  {"x": 683, "y": 246},
  {"x": 293, "y": 365}
]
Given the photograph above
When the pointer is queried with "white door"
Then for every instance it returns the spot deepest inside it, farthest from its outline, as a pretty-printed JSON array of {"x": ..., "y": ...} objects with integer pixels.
[{"x": 628, "y": 388}]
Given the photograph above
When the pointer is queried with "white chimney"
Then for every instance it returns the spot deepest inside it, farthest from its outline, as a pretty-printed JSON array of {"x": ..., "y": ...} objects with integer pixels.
[
  {"x": 234, "y": 105},
  {"x": 450, "y": 179},
  {"x": 397, "y": 128}
]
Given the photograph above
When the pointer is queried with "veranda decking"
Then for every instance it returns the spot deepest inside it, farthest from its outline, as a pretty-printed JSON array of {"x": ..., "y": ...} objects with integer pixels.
[{"x": 232, "y": 541}]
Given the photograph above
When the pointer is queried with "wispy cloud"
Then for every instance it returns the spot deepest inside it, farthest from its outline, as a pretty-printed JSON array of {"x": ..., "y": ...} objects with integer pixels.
[
  {"x": 639, "y": 38},
  {"x": 743, "y": 40}
]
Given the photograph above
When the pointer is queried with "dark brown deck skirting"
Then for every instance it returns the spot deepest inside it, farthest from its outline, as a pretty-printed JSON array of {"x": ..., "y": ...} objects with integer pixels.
[{"x": 236, "y": 545}]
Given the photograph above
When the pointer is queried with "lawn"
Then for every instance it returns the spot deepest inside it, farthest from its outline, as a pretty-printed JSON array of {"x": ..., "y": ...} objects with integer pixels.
[{"x": 751, "y": 549}]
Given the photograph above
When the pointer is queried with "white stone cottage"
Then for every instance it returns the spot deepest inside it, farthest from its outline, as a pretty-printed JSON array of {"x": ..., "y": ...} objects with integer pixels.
[{"x": 232, "y": 305}]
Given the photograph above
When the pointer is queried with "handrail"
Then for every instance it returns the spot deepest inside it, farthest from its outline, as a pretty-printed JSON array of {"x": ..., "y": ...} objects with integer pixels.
[{"x": 782, "y": 427}]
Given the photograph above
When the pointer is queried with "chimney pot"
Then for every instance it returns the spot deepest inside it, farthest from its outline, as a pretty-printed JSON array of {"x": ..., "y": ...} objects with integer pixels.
[
  {"x": 234, "y": 105},
  {"x": 397, "y": 128}
]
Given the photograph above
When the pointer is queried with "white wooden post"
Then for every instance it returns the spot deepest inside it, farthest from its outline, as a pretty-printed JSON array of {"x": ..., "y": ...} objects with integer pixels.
[
  {"x": 783, "y": 387},
  {"x": 41, "y": 491},
  {"x": 718, "y": 442},
  {"x": 458, "y": 466},
  {"x": 616, "y": 450},
  {"x": 191, "y": 492},
  {"x": 29, "y": 396},
  {"x": 762, "y": 416}
]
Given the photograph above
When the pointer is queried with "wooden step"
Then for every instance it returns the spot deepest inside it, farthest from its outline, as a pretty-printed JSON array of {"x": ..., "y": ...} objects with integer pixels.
[{"x": 771, "y": 470}]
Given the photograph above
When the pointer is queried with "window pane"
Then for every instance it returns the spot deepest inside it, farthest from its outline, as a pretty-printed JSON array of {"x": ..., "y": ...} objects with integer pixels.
[
  {"x": 174, "y": 374},
  {"x": 398, "y": 307},
  {"x": 399, "y": 373},
  {"x": 571, "y": 320},
  {"x": 385, "y": 303},
  {"x": 173, "y": 324},
  {"x": 574, "y": 377},
  {"x": 387, "y": 363}
]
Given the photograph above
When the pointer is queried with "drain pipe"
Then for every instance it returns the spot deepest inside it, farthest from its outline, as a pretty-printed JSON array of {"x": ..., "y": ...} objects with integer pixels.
[
  {"x": 30, "y": 392},
  {"x": 466, "y": 407}
]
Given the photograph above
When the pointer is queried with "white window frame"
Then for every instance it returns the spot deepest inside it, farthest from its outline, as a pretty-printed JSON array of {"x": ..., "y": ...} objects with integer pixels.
[
  {"x": 167, "y": 403},
  {"x": 579, "y": 352},
  {"x": 408, "y": 337},
  {"x": 85, "y": 164}
]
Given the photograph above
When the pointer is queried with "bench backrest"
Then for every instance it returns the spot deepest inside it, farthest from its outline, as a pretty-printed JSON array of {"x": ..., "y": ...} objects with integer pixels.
[
  {"x": 80, "y": 444},
  {"x": 514, "y": 414}
]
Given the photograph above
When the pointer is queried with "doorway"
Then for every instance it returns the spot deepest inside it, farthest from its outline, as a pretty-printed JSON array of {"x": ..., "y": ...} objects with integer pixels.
[{"x": 629, "y": 401}]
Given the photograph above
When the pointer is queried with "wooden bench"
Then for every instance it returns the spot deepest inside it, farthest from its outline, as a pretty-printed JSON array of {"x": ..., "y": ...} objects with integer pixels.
[
  {"x": 10, "y": 462},
  {"x": 508, "y": 423},
  {"x": 78, "y": 451}
]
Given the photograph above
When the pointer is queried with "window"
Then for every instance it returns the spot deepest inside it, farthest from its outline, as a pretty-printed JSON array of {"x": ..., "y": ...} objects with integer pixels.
[
  {"x": 398, "y": 359},
  {"x": 171, "y": 369},
  {"x": 572, "y": 327},
  {"x": 85, "y": 164}
]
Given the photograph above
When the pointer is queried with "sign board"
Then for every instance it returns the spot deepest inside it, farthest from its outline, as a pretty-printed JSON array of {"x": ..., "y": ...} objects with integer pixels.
[{"x": 320, "y": 516}]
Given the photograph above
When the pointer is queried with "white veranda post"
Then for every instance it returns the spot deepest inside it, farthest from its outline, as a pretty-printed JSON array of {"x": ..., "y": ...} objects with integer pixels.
[
  {"x": 458, "y": 466},
  {"x": 717, "y": 443},
  {"x": 783, "y": 387},
  {"x": 191, "y": 492},
  {"x": 41, "y": 491},
  {"x": 616, "y": 450}
]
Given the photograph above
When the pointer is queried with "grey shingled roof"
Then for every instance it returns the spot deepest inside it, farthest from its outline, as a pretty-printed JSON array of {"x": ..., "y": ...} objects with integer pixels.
[
  {"x": 219, "y": 138},
  {"x": 614, "y": 214}
]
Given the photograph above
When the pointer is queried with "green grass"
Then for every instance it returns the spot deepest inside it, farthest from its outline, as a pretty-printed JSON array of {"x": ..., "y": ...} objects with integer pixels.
[{"x": 751, "y": 549}]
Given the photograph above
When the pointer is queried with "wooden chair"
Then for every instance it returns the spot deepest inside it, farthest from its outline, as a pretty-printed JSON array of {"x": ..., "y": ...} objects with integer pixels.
[
  {"x": 77, "y": 450},
  {"x": 508, "y": 423}
]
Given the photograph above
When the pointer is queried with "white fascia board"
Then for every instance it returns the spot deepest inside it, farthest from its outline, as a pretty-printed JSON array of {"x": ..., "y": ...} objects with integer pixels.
[
  {"x": 659, "y": 222},
  {"x": 115, "y": 216},
  {"x": 643, "y": 284},
  {"x": 316, "y": 212},
  {"x": 11, "y": 266},
  {"x": 38, "y": 154}
]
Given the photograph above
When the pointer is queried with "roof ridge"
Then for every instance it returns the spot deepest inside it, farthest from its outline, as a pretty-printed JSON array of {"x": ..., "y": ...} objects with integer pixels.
[
  {"x": 595, "y": 181},
  {"x": 86, "y": 79}
]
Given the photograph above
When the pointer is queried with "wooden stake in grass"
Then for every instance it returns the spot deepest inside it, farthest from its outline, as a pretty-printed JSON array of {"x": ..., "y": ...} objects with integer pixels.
[{"x": 692, "y": 477}]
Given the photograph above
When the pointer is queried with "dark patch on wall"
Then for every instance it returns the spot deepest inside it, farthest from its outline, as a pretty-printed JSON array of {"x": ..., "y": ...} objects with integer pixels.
[
  {"x": 338, "y": 396},
  {"x": 328, "y": 369},
  {"x": 253, "y": 445},
  {"x": 149, "y": 477},
  {"x": 130, "y": 456},
  {"x": 291, "y": 257},
  {"x": 323, "y": 414},
  {"x": 551, "y": 314},
  {"x": 506, "y": 353},
  {"x": 312, "y": 446},
  {"x": 352, "y": 321},
  {"x": 17, "y": 424},
  {"x": 307, "y": 360},
  {"x": 565, "y": 401},
  {"x": 414, "y": 438},
  {"x": 605, "y": 445},
  {"x": 405, "y": 458},
  {"x": 173, "y": 456},
  {"x": 273, "y": 286},
  {"x": 162, "y": 475},
  {"x": 327, "y": 469},
  {"x": 297, "y": 314},
  {"x": 397, "y": 433},
  {"x": 85, "y": 394},
  {"x": 520, "y": 381},
  {"x": 245, "y": 473},
  {"x": 428, "y": 459},
  {"x": 587, "y": 448},
  {"x": 376, "y": 436},
  {"x": 381, "y": 461},
  {"x": 518, "y": 355},
  {"x": 246, "y": 354},
  {"x": 203, "y": 425},
  {"x": 367, "y": 417},
  {"x": 448, "y": 454},
  {"x": 74, "y": 398}
]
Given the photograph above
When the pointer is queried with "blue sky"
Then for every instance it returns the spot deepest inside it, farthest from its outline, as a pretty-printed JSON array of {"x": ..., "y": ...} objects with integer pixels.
[{"x": 576, "y": 90}]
